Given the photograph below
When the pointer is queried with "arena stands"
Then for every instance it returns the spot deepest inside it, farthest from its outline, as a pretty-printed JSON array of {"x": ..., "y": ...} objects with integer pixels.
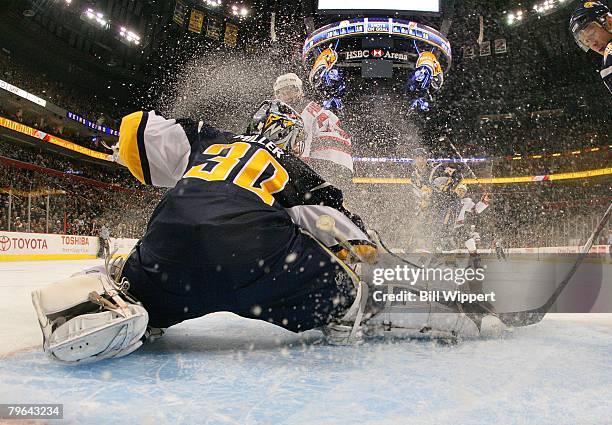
[
  {"x": 66, "y": 196},
  {"x": 65, "y": 96}
]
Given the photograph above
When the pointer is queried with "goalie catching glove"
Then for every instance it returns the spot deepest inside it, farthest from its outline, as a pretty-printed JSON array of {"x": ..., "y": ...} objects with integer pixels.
[{"x": 85, "y": 319}]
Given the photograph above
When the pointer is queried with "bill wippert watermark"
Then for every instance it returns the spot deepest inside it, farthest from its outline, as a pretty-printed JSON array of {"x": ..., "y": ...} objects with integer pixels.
[
  {"x": 403, "y": 284},
  {"x": 439, "y": 296}
]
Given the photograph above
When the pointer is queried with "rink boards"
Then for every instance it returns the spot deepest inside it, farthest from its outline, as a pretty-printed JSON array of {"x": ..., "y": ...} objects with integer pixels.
[{"x": 21, "y": 246}]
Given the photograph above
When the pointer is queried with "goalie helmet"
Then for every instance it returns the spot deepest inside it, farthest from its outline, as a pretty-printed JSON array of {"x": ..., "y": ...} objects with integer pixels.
[
  {"x": 279, "y": 123},
  {"x": 586, "y": 13}
]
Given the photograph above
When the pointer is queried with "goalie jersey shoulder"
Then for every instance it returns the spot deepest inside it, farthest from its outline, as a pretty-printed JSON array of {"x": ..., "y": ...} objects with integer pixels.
[
  {"x": 154, "y": 149},
  {"x": 157, "y": 151},
  {"x": 161, "y": 152}
]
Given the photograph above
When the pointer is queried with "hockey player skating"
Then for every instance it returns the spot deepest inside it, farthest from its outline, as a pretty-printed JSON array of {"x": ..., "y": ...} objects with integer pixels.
[
  {"x": 444, "y": 202},
  {"x": 591, "y": 26},
  {"x": 464, "y": 236},
  {"x": 420, "y": 184},
  {"x": 420, "y": 177},
  {"x": 434, "y": 187}
]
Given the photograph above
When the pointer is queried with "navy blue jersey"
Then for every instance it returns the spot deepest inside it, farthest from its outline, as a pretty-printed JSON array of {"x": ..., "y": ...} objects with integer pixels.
[
  {"x": 225, "y": 236},
  {"x": 445, "y": 178},
  {"x": 235, "y": 191},
  {"x": 230, "y": 193}
]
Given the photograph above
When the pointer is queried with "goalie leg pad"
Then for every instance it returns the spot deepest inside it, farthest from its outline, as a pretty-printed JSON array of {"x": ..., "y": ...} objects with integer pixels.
[
  {"x": 347, "y": 329},
  {"x": 422, "y": 325},
  {"x": 78, "y": 330}
]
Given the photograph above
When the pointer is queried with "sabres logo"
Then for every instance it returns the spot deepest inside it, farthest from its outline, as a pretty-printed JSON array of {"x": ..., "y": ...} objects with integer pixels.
[
  {"x": 324, "y": 62},
  {"x": 429, "y": 60},
  {"x": 276, "y": 123},
  {"x": 590, "y": 4},
  {"x": 279, "y": 120}
]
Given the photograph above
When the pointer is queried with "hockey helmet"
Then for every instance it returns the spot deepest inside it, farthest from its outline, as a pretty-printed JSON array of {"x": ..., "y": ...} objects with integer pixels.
[
  {"x": 279, "y": 123},
  {"x": 287, "y": 80},
  {"x": 419, "y": 152},
  {"x": 587, "y": 12}
]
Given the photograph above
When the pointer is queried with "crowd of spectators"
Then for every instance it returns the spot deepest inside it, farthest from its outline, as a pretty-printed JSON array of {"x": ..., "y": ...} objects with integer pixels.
[
  {"x": 108, "y": 173},
  {"x": 74, "y": 208},
  {"x": 549, "y": 213},
  {"x": 527, "y": 215},
  {"x": 81, "y": 136},
  {"x": 65, "y": 202},
  {"x": 567, "y": 162},
  {"x": 63, "y": 95},
  {"x": 537, "y": 136}
]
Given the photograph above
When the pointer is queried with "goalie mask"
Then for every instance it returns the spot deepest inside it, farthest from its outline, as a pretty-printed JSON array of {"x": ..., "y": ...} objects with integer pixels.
[{"x": 279, "y": 123}]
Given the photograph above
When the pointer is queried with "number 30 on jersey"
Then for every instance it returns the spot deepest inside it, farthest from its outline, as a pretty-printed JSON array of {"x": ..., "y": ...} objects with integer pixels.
[{"x": 226, "y": 157}]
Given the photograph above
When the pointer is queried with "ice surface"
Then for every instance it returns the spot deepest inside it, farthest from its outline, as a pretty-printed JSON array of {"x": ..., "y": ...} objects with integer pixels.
[{"x": 224, "y": 369}]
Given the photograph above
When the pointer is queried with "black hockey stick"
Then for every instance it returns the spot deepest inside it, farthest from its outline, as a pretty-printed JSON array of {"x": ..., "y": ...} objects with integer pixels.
[
  {"x": 403, "y": 260},
  {"x": 464, "y": 162},
  {"x": 531, "y": 317}
]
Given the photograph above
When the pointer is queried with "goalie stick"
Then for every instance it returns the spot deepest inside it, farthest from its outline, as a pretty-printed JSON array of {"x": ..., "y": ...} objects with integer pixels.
[
  {"x": 327, "y": 224},
  {"x": 531, "y": 317},
  {"x": 383, "y": 246},
  {"x": 534, "y": 316}
]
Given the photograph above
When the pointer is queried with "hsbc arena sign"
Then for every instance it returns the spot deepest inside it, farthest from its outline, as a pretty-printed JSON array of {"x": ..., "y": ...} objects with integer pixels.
[
  {"x": 374, "y": 54},
  {"x": 408, "y": 37}
]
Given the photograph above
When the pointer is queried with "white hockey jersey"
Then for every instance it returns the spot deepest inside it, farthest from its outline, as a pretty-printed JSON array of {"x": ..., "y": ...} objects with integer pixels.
[
  {"x": 324, "y": 137},
  {"x": 469, "y": 206}
]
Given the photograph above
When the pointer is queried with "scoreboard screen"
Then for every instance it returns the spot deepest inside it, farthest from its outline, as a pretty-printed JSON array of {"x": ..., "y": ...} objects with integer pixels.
[{"x": 431, "y": 6}]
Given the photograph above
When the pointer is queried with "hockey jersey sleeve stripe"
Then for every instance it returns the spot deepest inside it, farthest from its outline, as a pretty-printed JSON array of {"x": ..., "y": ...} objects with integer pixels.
[
  {"x": 156, "y": 150},
  {"x": 128, "y": 144},
  {"x": 142, "y": 150}
]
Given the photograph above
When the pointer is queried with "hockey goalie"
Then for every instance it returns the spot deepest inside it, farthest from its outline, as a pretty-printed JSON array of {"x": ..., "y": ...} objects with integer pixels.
[{"x": 245, "y": 227}]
